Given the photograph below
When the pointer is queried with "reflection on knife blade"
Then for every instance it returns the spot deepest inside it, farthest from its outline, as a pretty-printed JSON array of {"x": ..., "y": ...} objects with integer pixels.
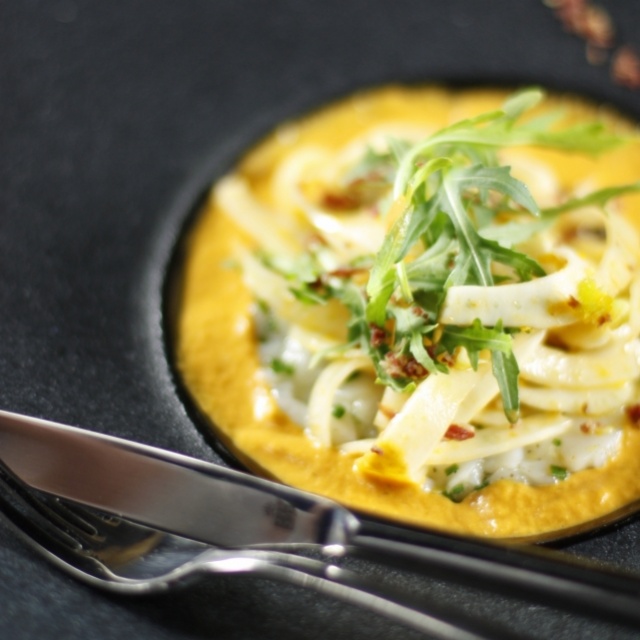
[{"x": 166, "y": 490}]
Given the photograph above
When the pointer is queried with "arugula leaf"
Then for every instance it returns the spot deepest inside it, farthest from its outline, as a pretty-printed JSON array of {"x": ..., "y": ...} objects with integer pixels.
[
  {"x": 411, "y": 223},
  {"x": 454, "y": 217},
  {"x": 498, "y": 129},
  {"x": 514, "y": 232},
  {"x": 505, "y": 370},
  {"x": 522, "y": 101},
  {"x": 595, "y": 198},
  {"x": 477, "y": 338},
  {"x": 416, "y": 347},
  {"x": 476, "y": 252}
]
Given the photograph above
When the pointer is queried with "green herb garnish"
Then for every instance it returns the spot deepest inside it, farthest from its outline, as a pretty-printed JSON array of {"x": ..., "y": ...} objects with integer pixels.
[
  {"x": 338, "y": 411},
  {"x": 282, "y": 368},
  {"x": 455, "y": 493},
  {"x": 455, "y": 215},
  {"x": 559, "y": 473}
]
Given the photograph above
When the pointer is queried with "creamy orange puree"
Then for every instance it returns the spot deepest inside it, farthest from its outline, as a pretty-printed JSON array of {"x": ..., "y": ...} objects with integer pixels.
[{"x": 217, "y": 358}]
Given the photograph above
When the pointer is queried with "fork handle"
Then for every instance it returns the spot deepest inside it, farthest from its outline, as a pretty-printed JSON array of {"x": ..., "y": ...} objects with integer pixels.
[
  {"x": 438, "y": 621},
  {"x": 534, "y": 573}
]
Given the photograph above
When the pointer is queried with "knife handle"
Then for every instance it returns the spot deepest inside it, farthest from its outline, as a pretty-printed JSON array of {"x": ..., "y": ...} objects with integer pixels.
[{"x": 536, "y": 574}]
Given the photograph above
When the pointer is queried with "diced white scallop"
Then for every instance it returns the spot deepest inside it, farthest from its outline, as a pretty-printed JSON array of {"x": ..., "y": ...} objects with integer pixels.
[
  {"x": 507, "y": 473},
  {"x": 467, "y": 476},
  {"x": 359, "y": 400},
  {"x": 323, "y": 396},
  {"x": 591, "y": 450},
  {"x": 537, "y": 472},
  {"x": 506, "y": 460}
]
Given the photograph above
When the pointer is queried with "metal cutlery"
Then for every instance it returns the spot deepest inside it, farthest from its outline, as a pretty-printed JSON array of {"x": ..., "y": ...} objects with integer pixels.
[
  {"x": 118, "y": 555},
  {"x": 151, "y": 519}
]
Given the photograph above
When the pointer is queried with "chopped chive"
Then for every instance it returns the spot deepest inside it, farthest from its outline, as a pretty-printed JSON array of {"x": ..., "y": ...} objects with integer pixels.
[
  {"x": 560, "y": 473},
  {"x": 455, "y": 493},
  {"x": 557, "y": 442},
  {"x": 459, "y": 488},
  {"x": 338, "y": 411},
  {"x": 452, "y": 469},
  {"x": 481, "y": 486},
  {"x": 282, "y": 367}
]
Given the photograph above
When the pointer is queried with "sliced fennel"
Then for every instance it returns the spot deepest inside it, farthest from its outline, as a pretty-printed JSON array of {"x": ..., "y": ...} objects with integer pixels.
[
  {"x": 492, "y": 442},
  {"x": 430, "y": 265}
]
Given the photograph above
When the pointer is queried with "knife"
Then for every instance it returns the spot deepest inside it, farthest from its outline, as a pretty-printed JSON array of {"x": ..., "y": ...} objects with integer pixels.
[
  {"x": 227, "y": 508},
  {"x": 166, "y": 490}
]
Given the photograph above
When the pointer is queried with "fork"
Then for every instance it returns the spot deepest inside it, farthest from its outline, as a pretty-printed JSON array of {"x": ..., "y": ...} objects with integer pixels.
[{"x": 118, "y": 555}]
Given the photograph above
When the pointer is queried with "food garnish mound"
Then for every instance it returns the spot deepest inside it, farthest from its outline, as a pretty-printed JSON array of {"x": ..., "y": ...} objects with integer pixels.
[{"x": 444, "y": 307}]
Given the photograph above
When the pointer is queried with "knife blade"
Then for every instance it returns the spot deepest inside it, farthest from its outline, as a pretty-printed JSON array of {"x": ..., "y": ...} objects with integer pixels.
[{"x": 166, "y": 490}]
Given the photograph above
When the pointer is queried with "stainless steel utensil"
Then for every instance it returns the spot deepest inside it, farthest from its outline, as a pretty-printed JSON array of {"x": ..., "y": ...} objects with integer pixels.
[
  {"x": 118, "y": 555},
  {"x": 195, "y": 502}
]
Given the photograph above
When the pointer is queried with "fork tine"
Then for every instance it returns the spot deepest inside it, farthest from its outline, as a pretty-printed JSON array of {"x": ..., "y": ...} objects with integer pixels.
[
  {"x": 52, "y": 521},
  {"x": 30, "y": 516}
]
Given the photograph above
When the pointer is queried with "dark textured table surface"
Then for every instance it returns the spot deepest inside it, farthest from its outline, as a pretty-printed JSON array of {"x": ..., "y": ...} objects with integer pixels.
[{"x": 114, "y": 116}]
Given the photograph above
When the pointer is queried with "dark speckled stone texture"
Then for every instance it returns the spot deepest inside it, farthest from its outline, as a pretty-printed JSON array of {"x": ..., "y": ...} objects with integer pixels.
[{"x": 114, "y": 116}]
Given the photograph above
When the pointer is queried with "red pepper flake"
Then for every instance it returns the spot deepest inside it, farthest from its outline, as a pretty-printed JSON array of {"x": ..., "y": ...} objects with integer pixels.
[
  {"x": 625, "y": 68},
  {"x": 403, "y": 366},
  {"x": 585, "y": 427},
  {"x": 319, "y": 285},
  {"x": 414, "y": 369},
  {"x": 339, "y": 201},
  {"x": 633, "y": 414},
  {"x": 456, "y": 432},
  {"x": 347, "y": 272},
  {"x": 378, "y": 336},
  {"x": 446, "y": 358},
  {"x": 573, "y": 303},
  {"x": 377, "y": 450}
]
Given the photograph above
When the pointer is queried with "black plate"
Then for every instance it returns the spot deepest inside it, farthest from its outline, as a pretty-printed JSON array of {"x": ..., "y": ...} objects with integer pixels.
[{"x": 114, "y": 116}]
